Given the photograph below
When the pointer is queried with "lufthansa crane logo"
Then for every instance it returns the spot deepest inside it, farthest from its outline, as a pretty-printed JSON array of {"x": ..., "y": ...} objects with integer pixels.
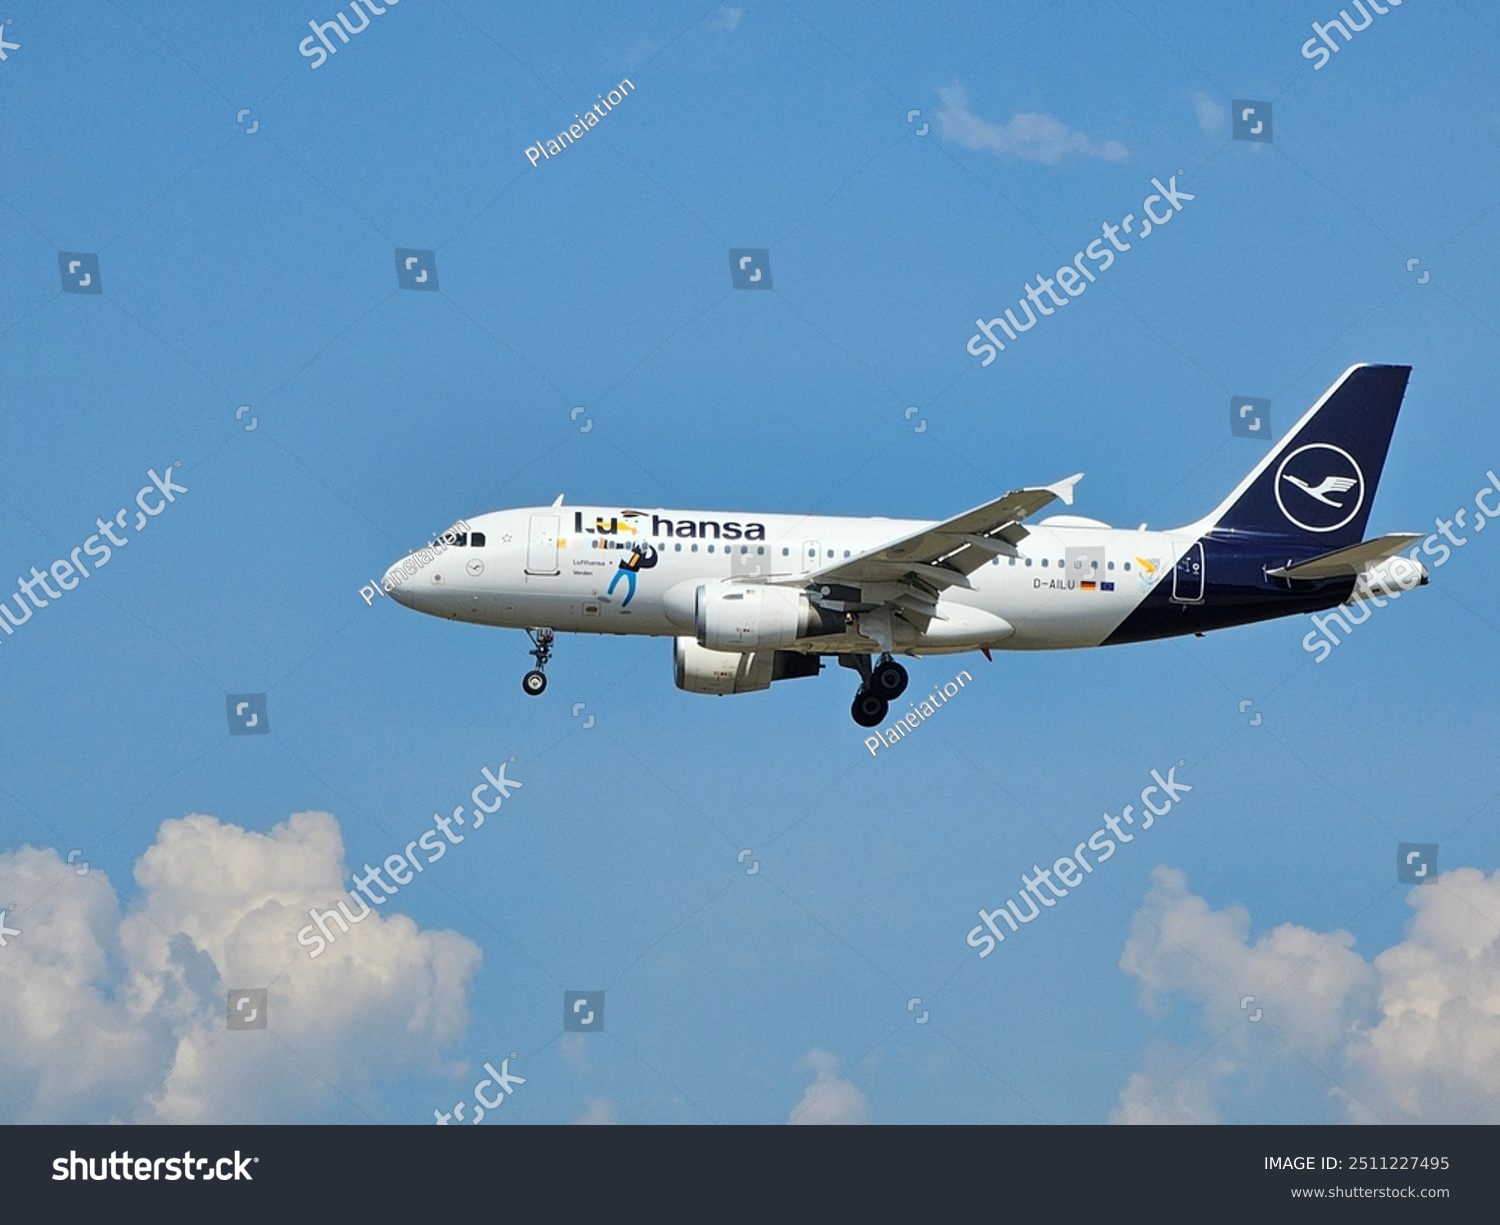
[{"x": 1320, "y": 487}]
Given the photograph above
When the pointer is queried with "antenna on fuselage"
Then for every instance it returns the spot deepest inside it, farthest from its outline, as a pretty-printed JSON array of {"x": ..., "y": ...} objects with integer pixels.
[{"x": 558, "y": 502}]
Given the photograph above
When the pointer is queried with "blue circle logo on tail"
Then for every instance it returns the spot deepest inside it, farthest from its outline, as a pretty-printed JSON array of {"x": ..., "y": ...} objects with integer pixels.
[{"x": 1319, "y": 487}]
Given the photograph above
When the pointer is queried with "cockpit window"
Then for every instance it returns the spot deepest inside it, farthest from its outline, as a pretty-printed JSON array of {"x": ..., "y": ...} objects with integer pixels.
[{"x": 459, "y": 540}]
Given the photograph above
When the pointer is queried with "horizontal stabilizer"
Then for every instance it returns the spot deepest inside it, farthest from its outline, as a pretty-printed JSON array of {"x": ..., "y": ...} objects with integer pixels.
[{"x": 1341, "y": 563}]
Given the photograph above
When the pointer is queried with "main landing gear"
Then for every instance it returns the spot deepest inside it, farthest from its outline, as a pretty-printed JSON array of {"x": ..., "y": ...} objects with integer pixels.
[
  {"x": 541, "y": 650},
  {"x": 880, "y": 685},
  {"x": 889, "y": 679}
]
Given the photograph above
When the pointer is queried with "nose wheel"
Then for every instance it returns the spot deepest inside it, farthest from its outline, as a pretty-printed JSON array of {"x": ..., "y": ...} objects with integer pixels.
[{"x": 535, "y": 681}]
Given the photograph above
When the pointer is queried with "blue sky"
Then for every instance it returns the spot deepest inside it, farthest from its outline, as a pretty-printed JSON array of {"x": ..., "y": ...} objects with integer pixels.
[{"x": 256, "y": 268}]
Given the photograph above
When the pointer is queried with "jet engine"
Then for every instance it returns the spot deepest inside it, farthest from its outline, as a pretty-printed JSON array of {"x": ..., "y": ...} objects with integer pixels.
[
  {"x": 701, "y": 670},
  {"x": 750, "y": 616}
]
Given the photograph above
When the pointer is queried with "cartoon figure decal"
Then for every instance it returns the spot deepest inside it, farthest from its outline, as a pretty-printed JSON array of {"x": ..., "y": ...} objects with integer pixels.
[{"x": 640, "y": 557}]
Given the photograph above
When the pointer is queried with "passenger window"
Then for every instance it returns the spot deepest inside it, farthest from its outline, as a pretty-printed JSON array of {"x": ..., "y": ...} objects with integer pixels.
[
  {"x": 710, "y": 548},
  {"x": 1044, "y": 562},
  {"x": 1127, "y": 565},
  {"x": 1111, "y": 565},
  {"x": 695, "y": 548}
]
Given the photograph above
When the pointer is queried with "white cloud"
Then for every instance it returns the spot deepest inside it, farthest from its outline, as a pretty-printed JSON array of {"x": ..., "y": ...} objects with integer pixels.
[
  {"x": 1412, "y": 1036},
  {"x": 1435, "y": 1052},
  {"x": 1213, "y": 116},
  {"x": 67, "y": 1051},
  {"x": 598, "y": 1112},
  {"x": 1171, "y": 1089},
  {"x": 726, "y": 19},
  {"x": 1029, "y": 135},
  {"x": 830, "y": 1098},
  {"x": 110, "y": 1017}
]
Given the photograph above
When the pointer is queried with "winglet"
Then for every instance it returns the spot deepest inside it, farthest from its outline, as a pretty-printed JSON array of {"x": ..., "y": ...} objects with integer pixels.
[{"x": 1064, "y": 488}]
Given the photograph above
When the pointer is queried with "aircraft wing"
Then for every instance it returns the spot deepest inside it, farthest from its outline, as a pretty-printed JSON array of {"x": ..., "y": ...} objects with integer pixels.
[
  {"x": 945, "y": 554},
  {"x": 905, "y": 577},
  {"x": 1346, "y": 561}
]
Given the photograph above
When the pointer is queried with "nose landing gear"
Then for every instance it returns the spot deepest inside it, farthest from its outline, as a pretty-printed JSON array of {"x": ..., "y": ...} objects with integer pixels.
[{"x": 535, "y": 681}]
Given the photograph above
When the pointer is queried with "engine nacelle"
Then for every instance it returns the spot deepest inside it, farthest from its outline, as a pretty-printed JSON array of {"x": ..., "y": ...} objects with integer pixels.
[
  {"x": 752, "y": 616},
  {"x": 1388, "y": 579},
  {"x": 700, "y": 670}
]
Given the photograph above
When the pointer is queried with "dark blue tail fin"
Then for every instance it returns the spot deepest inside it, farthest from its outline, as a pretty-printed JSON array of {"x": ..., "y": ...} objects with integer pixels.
[{"x": 1318, "y": 484}]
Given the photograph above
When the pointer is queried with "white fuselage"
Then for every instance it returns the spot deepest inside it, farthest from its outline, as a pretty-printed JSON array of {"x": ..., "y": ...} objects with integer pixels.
[{"x": 561, "y": 566}]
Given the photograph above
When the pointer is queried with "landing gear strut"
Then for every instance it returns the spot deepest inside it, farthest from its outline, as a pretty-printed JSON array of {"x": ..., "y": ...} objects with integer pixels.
[
  {"x": 541, "y": 650},
  {"x": 870, "y": 702}
]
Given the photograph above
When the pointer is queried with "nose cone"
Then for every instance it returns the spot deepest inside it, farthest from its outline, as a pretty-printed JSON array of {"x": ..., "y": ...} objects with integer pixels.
[{"x": 400, "y": 586}]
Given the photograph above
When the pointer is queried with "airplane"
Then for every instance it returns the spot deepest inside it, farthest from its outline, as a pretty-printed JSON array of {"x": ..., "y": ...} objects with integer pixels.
[{"x": 750, "y": 599}]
